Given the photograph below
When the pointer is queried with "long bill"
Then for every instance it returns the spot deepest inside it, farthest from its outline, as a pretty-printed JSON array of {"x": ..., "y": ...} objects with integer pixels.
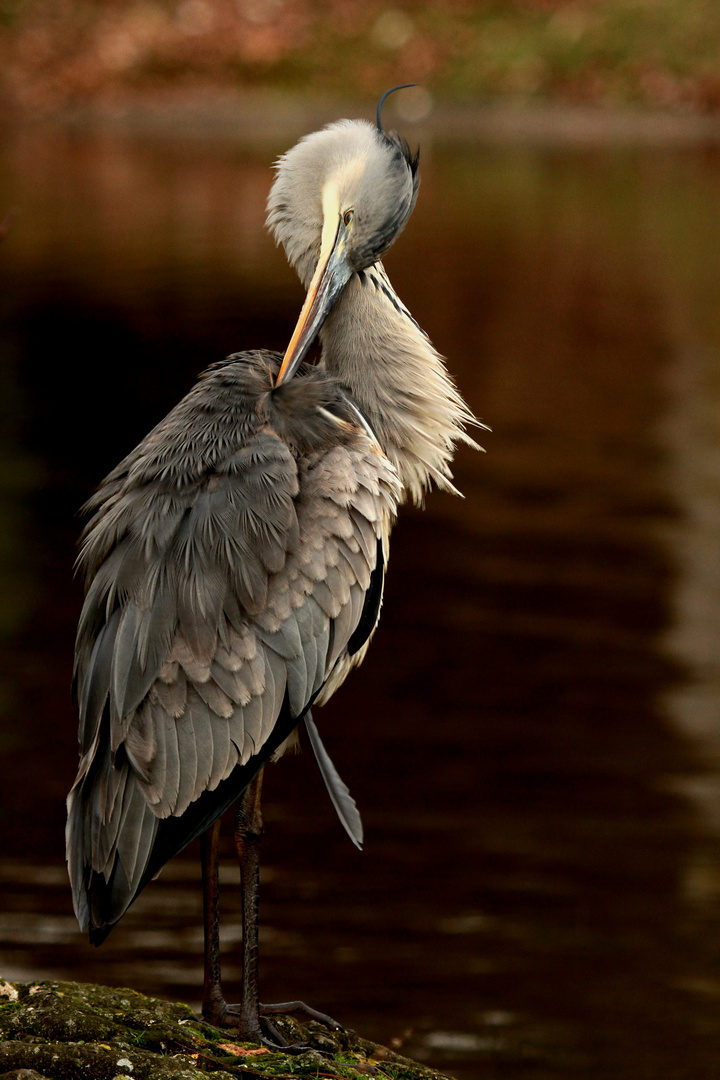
[{"x": 328, "y": 281}]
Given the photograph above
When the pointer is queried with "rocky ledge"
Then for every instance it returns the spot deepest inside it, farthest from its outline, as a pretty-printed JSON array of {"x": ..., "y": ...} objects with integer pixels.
[{"x": 75, "y": 1031}]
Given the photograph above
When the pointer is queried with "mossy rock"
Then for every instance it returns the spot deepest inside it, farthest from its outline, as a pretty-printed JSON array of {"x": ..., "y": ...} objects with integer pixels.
[{"x": 78, "y": 1031}]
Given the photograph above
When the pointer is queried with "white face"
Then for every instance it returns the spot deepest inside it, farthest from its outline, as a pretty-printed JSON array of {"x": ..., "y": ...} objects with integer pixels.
[
  {"x": 340, "y": 198},
  {"x": 351, "y": 169}
]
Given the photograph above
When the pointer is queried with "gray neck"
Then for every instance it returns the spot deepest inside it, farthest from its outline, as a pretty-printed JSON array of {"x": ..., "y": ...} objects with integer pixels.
[{"x": 375, "y": 349}]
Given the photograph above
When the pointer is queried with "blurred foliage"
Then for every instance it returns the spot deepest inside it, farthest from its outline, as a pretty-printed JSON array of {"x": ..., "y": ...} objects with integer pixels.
[{"x": 60, "y": 53}]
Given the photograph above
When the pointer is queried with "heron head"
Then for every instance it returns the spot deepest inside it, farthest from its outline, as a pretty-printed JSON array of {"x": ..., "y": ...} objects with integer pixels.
[{"x": 340, "y": 198}]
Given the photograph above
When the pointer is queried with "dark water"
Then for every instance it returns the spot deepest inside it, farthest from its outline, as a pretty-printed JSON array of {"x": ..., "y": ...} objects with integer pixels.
[{"x": 534, "y": 740}]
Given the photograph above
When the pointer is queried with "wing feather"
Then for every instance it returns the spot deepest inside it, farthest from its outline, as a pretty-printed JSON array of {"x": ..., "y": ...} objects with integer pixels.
[
  {"x": 226, "y": 573},
  {"x": 169, "y": 791},
  {"x": 188, "y": 756},
  {"x": 223, "y": 748},
  {"x": 216, "y": 699},
  {"x": 199, "y": 717},
  {"x": 157, "y": 772},
  {"x": 171, "y": 694},
  {"x": 272, "y": 699}
]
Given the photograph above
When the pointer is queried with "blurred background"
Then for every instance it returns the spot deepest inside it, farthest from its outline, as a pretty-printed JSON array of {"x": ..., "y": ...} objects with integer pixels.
[{"x": 534, "y": 739}]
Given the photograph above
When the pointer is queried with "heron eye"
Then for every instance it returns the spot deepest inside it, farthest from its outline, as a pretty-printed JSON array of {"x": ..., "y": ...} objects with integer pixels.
[{"x": 348, "y": 216}]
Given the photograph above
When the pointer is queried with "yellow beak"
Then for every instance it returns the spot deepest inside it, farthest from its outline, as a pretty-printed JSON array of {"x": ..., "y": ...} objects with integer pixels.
[{"x": 330, "y": 278}]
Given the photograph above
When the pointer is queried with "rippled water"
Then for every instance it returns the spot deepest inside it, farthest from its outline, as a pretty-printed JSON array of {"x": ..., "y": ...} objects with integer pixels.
[{"x": 534, "y": 739}]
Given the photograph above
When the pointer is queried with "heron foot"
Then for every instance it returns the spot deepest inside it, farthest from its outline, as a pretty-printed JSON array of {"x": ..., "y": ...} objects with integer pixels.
[
  {"x": 299, "y": 1008},
  {"x": 259, "y": 1029}
]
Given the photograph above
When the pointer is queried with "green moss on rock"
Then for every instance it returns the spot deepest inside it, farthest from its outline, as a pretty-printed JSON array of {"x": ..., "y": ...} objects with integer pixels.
[{"x": 76, "y": 1031}]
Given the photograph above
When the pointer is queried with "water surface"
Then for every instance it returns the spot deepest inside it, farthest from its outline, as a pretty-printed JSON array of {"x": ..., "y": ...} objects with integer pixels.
[{"x": 534, "y": 739}]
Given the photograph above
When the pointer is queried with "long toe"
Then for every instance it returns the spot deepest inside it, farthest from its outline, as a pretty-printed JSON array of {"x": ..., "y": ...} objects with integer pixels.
[
  {"x": 273, "y": 1039},
  {"x": 299, "y": 1008},
  {"x": 259, "y": 1029}
]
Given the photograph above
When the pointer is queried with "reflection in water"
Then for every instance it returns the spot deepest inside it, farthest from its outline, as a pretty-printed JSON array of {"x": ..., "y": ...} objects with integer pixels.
[
  {"x": 691, "y": 431},
  {"x": 522, "y": 904}
]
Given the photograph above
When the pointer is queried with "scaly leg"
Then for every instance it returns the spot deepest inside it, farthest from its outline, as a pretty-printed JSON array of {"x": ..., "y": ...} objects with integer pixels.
[
  {"x": 248, "y": 834},
  {"x": 214, "y": 1009},
  {"x": 249, "y": 1015}
]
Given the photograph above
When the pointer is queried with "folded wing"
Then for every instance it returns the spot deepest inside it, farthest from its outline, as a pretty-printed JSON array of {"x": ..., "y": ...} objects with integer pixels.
[{"x": 220, "y": 604}]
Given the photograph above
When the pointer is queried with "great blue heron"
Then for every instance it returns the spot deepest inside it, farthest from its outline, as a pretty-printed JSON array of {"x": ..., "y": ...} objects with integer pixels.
[{"x": 234, "y": 561}]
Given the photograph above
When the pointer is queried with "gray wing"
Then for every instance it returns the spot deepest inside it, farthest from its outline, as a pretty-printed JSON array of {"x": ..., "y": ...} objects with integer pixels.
[{"x": 209, "y": 610}]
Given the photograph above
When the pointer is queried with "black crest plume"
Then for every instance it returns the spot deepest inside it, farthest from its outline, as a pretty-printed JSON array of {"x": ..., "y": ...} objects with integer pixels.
[
  {"x": 381, "y": 102},
  {"x": 400, "y": 144}
]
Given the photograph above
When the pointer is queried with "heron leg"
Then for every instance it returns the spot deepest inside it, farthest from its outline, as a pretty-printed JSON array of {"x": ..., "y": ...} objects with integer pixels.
[
  {"x": 253, "y": 1014},
  {"x": 248, "y": 835},
  {"x": 248, "y": 832},
  {"x": 249, "y": 1017},
  {"x": 214, "y": 1009}
]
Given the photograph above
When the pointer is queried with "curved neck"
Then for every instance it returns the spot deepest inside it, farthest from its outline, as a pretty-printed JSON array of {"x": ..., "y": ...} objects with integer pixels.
[{"x": 377, "y": 351}]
